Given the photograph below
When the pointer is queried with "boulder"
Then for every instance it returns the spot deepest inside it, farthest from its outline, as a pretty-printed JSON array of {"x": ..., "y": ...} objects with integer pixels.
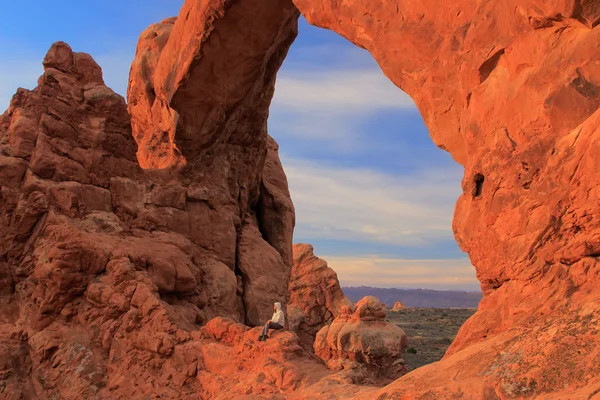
[
  {"x": 362, "y": 338},
  {"x": 398, "y": 306}
]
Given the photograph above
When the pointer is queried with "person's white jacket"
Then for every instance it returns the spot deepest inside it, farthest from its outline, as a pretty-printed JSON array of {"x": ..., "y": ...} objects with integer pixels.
[{"x": 278, "y": 316}]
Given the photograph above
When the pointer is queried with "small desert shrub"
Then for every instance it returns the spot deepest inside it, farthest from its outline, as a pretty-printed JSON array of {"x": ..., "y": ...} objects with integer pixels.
[{"x": 411, "y": 350}]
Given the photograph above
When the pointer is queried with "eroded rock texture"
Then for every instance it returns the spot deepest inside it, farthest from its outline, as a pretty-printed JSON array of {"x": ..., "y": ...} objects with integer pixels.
[
  {"x": 181, "y": 73},
  {"x": 235, "y": 363},
  {"x": 183, "y": 81},
  {"x": 107, "y": 269},
  {"x": 511, "y": 89},
  {"x": 315, "y": 295},
  {"x": 361, "y": 338}
]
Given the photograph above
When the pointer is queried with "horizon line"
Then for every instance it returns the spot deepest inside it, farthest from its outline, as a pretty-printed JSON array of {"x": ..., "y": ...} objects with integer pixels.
[{"x": 405, "y": 288}]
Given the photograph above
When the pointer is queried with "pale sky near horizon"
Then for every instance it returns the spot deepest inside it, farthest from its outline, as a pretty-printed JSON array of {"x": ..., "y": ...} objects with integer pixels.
[{"x": 373, "y": 194}]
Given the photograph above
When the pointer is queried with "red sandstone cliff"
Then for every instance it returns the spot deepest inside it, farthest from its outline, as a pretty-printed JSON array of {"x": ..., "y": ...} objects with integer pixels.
[
  {"x": 108, "y": 269},
  {"x": 510, "y": 89}
]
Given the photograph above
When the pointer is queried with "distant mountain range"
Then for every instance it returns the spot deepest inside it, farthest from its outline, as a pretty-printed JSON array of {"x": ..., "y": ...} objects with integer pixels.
[{"x": 416, "y": 297}]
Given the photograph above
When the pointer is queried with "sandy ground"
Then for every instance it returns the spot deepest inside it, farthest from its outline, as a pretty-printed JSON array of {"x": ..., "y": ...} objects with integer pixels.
[{"x": 430, "y": 331}]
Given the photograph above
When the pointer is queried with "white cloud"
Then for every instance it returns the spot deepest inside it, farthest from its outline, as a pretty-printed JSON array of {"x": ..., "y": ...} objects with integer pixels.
[
  {"x": 395, "y": 272},
  {"x": 327, "y": 104},
  {"x": 338, "y": 91},
  {"x": 362, "y": 205}
]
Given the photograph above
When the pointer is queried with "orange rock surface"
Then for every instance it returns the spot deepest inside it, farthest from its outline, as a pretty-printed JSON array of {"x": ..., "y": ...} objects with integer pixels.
[
  {"x": 511, "y": 89},
  {"x": 397, "y": 306},
  {"x": 361, "y": 338},
  {"x": 315, "y": 295},
  {"x": 107, "y": 271}
]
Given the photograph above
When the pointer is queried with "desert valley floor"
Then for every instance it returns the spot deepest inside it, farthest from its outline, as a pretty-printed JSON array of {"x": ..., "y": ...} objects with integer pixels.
[{"x": 429, "y": 330}]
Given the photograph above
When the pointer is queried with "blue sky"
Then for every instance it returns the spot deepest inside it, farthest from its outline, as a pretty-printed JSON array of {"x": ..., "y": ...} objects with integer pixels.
[{"x": 373, "y": 194}]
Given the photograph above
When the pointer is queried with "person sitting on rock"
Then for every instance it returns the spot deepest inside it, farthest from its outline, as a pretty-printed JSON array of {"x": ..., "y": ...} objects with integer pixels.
[{"x": 276, "y": 322}]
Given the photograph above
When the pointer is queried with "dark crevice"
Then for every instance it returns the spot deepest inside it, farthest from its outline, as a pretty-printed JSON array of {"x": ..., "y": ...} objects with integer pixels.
[
  {"x": 478, "y": 185},
  {"x": 151, "y": 93},
  {"x": 584, "y": 87},
  {"x": 239, "y": 273},
  {"x": 592, "y": 253},
  {"x": 584, "y": 13},
  {"x": 469, "y": 99},
  {"x": 260, "y": 212},
  {"x": 489, "y": 65}
]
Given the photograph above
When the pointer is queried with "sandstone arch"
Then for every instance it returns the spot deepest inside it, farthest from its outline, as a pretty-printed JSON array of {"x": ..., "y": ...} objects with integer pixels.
[
  {"x": 101, "y": 261},
  {"x": 511, "y": 90}
]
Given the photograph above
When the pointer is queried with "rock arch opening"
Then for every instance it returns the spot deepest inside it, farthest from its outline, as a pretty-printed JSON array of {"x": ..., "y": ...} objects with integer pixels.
[
  {"x": 494, "y": 84},
  {"x": 90, "y": 241},
  {"x": 372, "y": 194}
]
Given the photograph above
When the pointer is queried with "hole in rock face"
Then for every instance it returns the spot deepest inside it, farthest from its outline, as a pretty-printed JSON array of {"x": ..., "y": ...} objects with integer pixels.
[
  {"x": 478, "y": 185},
  {"x": 489, "y": 65},
  {"x": 372, "y": 193}
]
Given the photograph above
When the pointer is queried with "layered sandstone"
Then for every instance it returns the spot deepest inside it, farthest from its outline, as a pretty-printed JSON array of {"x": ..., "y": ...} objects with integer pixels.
[
  {"x": 362, "y": 338},
  {"x": 106, "y": 268},
  {"x": 511, "y": 89},
  {"x": 315, "y": 295},
  {"x": 102, "y": 263},
  {"x": 222, "y": 147}
]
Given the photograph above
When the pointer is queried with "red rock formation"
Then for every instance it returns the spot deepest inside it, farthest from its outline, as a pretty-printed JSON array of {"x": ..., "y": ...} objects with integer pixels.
[
  {"x": 397, "y": 306},
  {"x": 362, "y": 338},
  {"x": 510, "y": 89},
  {"x": 106, "y": 269},
  {"x": 234, "y": 362},
  {"x": 315, "y": 296},
  {"x": 221, "y": 147},
  {"x": 89, "y": 243}
]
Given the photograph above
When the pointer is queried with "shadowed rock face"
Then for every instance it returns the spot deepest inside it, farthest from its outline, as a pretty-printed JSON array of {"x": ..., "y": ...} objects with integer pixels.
[
  {"x": 102, "y": 263},
  {"x": 107, "y": 268},
  {"x": 195, "y": 110},
  {"x": 315, "y": 295}
]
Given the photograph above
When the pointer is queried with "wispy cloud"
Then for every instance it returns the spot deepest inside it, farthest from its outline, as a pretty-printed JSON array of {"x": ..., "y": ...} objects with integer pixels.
[
  {"x": 364, "y": 205},
  {"x": 455, "y": 274},
  {"x": 332, "y": 103},
  {"x": 338, "y": 91}
]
